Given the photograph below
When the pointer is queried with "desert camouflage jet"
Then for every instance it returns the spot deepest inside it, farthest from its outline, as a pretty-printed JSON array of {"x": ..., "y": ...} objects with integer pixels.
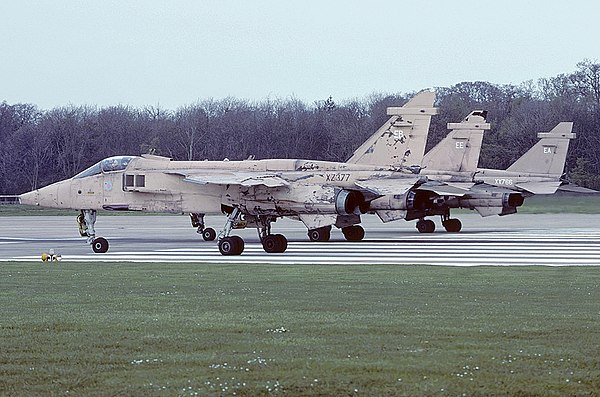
[
  {"x": 454, "y": 181},
  {"x": 253, "y": 193}
]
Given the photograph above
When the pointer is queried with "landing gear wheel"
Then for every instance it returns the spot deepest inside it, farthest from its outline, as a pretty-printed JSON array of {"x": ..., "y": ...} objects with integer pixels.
[
  {"x": 270, "y": 243},
  {"x": 274, "y": 243},
  {"x": 233, "y": 245},
  {"x": 239, "y": 242},
  {"x": 283, "y": 243},
  {"x": 452, "y": 225},
  {"x": 425, "y": 226},
  {"x": 353, "y": 233},
  {"x": 100, "y": 245},
  {"x": 320, "y": 234},
  {"x": 209, "y": 234}
]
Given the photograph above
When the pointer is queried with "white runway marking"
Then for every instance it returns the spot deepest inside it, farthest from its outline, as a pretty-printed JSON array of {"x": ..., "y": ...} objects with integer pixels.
[{"x": 477, "y": 249}]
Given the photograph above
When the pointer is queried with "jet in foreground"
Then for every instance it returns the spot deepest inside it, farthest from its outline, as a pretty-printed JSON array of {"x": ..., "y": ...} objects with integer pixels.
[
  {"x": 388, "y": 175},
  {"x": 253, "y": 193}
]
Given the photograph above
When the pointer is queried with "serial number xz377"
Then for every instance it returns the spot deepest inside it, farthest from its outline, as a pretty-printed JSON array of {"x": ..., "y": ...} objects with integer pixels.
[{"x": 337, "y": 177}]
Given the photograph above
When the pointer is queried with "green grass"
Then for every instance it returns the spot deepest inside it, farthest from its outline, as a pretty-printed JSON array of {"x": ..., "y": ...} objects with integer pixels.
[
  {"x": 194, "y": 329},
  {"x": 562, "y": 203}
]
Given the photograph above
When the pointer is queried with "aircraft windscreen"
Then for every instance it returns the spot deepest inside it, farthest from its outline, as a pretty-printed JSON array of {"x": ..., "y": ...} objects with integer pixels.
[{"x": 116, "y": 163}]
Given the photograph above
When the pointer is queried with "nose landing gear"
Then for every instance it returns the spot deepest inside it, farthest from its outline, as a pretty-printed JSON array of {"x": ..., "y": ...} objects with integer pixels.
[
  {"x": 208, "y": 233},
  {"x": 86, "y": 220}
]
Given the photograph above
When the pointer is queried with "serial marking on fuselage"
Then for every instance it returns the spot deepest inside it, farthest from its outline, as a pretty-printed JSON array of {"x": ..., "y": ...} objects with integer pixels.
[
  {"x": 503, "y": 181},
  {"x": 337, "y": 177}
]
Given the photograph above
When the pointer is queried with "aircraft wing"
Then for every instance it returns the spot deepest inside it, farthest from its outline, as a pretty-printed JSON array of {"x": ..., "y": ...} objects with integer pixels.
[
  {"x": 382, "y": 187},
  {"x": 236, "y": 178}
]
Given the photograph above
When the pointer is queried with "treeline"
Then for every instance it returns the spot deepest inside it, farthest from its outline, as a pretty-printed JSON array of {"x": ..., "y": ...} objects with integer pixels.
[{"x": 38, "y": 147}]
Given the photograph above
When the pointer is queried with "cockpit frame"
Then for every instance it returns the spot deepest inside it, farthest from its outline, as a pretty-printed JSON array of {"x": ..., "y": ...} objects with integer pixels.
[{"x": 110, "y": 164}]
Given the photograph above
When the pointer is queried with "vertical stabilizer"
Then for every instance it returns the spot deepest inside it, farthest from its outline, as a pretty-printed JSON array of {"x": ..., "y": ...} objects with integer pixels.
[
  {"x": 549, "y": 154},
  {"x": 401, "y": 140},
  {"x": 459, "y": 150}
]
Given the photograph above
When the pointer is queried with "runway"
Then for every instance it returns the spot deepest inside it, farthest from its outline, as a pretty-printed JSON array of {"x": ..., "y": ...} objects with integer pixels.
[{"x": 522, "y": 239}]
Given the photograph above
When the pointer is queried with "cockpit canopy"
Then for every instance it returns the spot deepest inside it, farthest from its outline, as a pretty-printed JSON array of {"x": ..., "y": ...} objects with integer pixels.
[{"x": 116, "y": 163}]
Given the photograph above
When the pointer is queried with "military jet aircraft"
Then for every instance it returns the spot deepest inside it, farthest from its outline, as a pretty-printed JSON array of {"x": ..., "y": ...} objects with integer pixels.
[
  {"x": 454, "y": 181},
  {"x": 253, "y": 192}
]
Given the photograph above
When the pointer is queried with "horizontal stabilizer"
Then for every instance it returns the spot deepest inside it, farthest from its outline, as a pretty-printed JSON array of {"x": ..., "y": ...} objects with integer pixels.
[
  {"x": 489, "y": 211},
  {"x": 391, "y": 215},
  {"x": 539, "y": 187},
  {"x": 573, "y": 188}
]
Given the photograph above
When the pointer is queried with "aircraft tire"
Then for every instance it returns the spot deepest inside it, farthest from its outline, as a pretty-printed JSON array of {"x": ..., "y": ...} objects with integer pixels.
[
  {"x": 271, "y": 243},
  {"x": 209, "y": 234},
  {"x": 231, "y": 245},
  {"x": 353, "y": 233},
  {"x": 100, "y": 245},
  {"x": 452, "y": 225},
  {"x": 320, "y": 234},
  {"x": 282, "y": 242},
  {"x": 426, "y": 226},
  {"x": 239, "y": 243}
]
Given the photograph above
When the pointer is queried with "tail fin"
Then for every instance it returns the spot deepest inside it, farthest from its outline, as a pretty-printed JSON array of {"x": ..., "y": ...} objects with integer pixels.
[
  {"x": 459, "y": 150},
  {"x": 548, "y": 156},
  {"x": 401, "y": 140}
]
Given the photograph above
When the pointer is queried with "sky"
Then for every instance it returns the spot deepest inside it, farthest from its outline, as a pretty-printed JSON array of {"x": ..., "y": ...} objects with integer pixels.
[{"x": 175, "y": 53}]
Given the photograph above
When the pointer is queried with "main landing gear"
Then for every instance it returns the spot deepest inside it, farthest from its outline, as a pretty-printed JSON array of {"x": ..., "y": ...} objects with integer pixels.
[
  {"x": 351, "y": 233},
  {"x": 208, "y": 233},
  {"x": 234, "y": 245},
  {"x": 86, "y": 220},
  {"x": 452, "y": 225},
  {"x": 320, "y": 234}
]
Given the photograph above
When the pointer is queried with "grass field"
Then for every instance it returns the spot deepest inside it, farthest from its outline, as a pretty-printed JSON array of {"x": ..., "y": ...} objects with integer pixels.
[{"x": 109, "y": 329}]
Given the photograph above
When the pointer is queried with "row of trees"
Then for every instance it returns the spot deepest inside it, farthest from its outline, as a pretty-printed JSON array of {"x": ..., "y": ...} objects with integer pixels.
[{"x": 38, "y": 147}]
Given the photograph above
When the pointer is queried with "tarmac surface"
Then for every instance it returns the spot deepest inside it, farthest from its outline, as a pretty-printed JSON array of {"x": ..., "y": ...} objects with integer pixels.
[{"x": 520, "y": 239}]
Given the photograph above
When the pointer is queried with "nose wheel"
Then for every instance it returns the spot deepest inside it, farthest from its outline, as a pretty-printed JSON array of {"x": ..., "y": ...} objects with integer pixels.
[
  {"x": 208, "y": 233},
  {"x": 100, "y": 245}
]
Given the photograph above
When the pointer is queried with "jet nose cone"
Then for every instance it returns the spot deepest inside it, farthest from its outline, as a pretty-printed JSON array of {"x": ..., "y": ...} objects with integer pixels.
[
  {"x": 46, "y": 196},
  {"x": 30, "y": 198}
]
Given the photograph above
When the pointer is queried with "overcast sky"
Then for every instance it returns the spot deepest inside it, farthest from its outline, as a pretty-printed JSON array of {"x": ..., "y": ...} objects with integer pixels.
[{"x": 173, "y": 53}]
